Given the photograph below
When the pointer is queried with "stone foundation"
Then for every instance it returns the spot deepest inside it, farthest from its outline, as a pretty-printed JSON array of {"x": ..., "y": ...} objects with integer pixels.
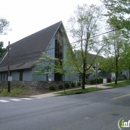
[{"x": 31, "y": 85}]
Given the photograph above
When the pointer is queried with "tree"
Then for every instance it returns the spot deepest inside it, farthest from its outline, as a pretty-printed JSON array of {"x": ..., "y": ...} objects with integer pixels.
[
  {"x": 118, "y": 13},
  {"x": 125, "y": 57},
  {"x": 115, "y": 45},
  {"x": 2, "y": 50},
  {"x": 45, "y": 65},
  {"x": 3, "y": 26},
  {"x": 83, "y": 25}
]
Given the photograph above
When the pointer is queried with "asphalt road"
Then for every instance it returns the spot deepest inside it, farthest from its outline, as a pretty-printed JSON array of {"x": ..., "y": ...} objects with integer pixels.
[{"x": 99, "y": 110}]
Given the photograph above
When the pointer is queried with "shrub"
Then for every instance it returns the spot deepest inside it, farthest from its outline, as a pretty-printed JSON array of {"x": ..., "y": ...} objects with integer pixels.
[
  {"x": 101, "y": 80},
  {"x": 67, "y": 85},
  {"x": 124, "y": 77},
  {"x": 60, "y": 86},
  {"x": 108, "y": 80},
  {"x": 97, "y": 81},
  {"x": 92, "y": 81},
  {"x": 72, "y": 84},
  {"x": 120, "y": 79},
  {"x": 52, "y": 87},
  {"x": 79, "y": 84}
]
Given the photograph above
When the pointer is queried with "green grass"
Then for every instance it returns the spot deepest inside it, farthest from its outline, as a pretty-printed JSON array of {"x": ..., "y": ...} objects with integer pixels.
[
  {"x": 14, "y": 92},
  {"x": 77, "y": 91},
  {"x": 119, "y": 84}
]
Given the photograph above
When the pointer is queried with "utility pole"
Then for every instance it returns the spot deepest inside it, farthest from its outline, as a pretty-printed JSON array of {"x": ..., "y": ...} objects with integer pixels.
[{"x": 8, "y": 67}]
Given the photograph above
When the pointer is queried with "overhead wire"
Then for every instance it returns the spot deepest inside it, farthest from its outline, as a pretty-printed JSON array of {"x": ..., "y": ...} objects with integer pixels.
[
  {"x": 14, "y": 58},
  {"x": 65, "y": 44}
]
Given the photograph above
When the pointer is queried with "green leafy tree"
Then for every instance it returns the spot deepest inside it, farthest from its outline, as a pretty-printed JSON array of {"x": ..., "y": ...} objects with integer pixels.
[
  {"x": 106, "y": 64},
  {"x": 125, "y": 57},
  {"x": 3, "y": 27},
  {"x": 71, "y": 63},
  {"x": 118, "y": 13},
  {"x": 115, "y": 45},
  {"x": 74, "y": 61},
  {"x": 83, "y": 25},
  {"x": 61, "y": 67},
  {"x": 47, "y": 66},
  {"x": 2, "y": 50}
]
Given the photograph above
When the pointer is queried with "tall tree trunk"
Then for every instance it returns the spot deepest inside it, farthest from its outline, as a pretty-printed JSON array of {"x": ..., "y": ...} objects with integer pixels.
[
  {"x": 84, "y": 74},
  {"x": 116, "y": 70},
  {"x": 129, "y": 73},
  {"x": 116, "y": 78},
  {"x": 83, "y": 81}
]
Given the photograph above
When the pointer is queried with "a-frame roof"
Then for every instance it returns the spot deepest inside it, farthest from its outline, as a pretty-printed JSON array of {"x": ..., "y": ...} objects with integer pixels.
[{"x": 26, "y": 51}]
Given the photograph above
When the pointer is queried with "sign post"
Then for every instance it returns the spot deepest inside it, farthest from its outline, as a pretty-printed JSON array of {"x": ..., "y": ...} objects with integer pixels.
[{"x": 9, "y": 78}]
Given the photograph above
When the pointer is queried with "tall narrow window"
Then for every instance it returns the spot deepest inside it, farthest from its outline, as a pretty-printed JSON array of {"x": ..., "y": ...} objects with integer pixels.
[
  {"x": 21, "y": 75},
  {"x": 59, "y": 55}
]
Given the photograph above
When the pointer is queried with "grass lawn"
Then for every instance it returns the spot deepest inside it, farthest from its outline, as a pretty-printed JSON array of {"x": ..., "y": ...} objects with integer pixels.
[
  {"x": 14, "y": 92},
  {"x": 78, "y": 91},
  {"x": 119, "y": 84}
]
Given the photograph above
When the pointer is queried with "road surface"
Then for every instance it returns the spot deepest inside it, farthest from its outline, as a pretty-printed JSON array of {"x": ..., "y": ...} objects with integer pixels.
[{"x": 99, "y": 110}]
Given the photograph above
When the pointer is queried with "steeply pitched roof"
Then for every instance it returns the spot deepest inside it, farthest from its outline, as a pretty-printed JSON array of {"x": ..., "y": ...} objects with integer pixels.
[{"x": 26, "y": 51}]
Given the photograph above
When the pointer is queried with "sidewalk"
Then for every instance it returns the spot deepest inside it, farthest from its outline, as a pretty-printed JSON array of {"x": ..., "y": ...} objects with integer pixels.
[
  {"x": 54, "y": 93},
  {"x": 98, "y": 86},
  {"x": 44, "y": 95}
]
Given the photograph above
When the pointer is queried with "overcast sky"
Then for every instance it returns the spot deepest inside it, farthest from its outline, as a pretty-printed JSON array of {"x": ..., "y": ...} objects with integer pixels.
[{"x": 29, "y": 16}]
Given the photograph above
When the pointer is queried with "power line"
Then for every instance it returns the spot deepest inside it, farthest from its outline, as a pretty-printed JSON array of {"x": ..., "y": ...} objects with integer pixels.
[
  {"x": 23, "y": 59},
  {"x": 98, "y": 35},
  {"x": 65, "y": 44},
  {"x": 40, "y": 51}
]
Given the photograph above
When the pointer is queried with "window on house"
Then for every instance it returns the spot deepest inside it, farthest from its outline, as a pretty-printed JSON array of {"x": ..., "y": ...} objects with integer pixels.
[
  {"x": 58, "y": 50},
  {"x": 59, "y": 55},
  {"x": 21, "y": 75}
]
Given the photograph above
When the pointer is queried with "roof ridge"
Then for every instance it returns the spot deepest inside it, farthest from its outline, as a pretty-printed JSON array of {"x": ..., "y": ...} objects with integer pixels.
[
  {"x": 36, "y": 32},
  {"x": 54, "y": 33}
]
